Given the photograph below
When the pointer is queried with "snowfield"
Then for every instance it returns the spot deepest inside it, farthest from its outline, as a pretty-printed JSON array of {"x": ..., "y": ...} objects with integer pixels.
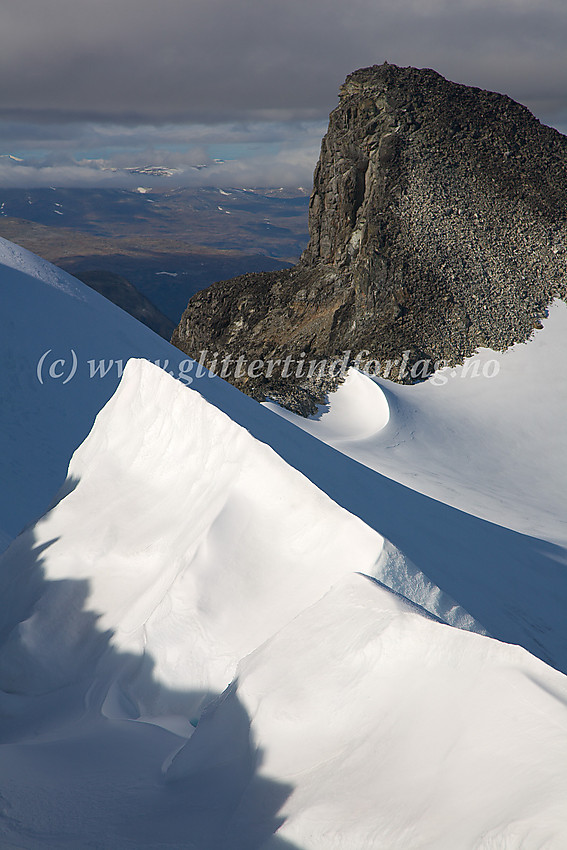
[
  {"x": 491, "y": 446},
  {"x": 228, "y": 633},
  {"x": 384, "y": 728}
]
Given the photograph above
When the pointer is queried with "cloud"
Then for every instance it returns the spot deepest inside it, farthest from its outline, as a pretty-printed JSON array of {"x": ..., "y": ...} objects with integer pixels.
[
  {"x": 209, "y": 60},
  {"x": 235, "y": 154},
  {"x": 93, "y": 84}
]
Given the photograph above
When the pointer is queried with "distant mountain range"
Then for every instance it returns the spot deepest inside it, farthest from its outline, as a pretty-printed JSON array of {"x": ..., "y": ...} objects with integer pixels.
[{"x": 168, "y": 245}]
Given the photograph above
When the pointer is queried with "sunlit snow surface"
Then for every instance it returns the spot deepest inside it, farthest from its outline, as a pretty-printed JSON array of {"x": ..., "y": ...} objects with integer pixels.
[
  {"x": 208, "y": 564},
  {"x": 492, "y": 446}
]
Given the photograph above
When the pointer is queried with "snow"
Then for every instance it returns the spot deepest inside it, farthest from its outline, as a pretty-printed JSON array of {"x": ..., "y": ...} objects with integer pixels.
[
  {"x": 379, "y": 727},
  {"x": 191, "y": 544},
  {"x": 493, "y": 447},
  {"x": 359, "y": 411},
  {"x": 163, "y": 519},
  {"x": 5, "y": 541},
  {"x": 228, "y": 632},
  {"x": 47, "y": 310}
]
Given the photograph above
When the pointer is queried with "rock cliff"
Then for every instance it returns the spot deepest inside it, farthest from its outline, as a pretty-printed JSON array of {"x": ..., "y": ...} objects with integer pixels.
[{"x": 438, "y": 224}]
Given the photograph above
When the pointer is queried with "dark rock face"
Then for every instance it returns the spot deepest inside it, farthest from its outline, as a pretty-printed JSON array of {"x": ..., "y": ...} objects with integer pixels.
[
  {"x": 125, "y": 295},
  {"x": 438, "y": 224}
]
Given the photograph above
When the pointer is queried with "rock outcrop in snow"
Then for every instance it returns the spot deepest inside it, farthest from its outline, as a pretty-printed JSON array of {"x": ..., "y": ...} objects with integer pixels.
[{"x": 437, "y": 225}]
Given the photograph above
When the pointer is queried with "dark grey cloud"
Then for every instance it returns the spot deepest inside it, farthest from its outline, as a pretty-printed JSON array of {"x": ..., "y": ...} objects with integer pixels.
[
  {"x": 159, "y": 60},
  {"x": 88, "y": 86}
]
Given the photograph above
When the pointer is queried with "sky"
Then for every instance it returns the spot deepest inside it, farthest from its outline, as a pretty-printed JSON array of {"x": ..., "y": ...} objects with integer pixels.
[{"x": 89, "y": 88}]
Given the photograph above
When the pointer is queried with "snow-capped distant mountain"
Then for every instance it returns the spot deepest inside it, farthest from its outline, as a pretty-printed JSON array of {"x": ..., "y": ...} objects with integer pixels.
[
  {"x": 152, "y": 170},
  {"x": 141, "y": 234},
  {"x": 208, "y": 564}
]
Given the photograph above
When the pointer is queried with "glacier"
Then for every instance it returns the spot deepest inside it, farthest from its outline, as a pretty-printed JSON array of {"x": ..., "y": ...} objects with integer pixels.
[{"x": 223, "y": 629}]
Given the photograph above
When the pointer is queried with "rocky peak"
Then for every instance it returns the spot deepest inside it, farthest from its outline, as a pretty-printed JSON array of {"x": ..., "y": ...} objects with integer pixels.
[{"x": 438, "y": 223}]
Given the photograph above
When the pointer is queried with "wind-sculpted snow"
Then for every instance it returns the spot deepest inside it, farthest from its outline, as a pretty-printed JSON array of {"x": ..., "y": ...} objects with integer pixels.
[
  {"x": 207, "y": 564},
  {"x": 393, "y": 731},
  {"x": 492, "y": 446},
  {"x": 48, "y": 314},
  {"x": 359, "y": 412},
  {"x": 196, "y": 543}
]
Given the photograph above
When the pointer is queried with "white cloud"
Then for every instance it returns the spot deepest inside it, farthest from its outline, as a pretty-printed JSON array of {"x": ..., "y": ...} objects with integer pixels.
[{"x": 259, "y": 153}]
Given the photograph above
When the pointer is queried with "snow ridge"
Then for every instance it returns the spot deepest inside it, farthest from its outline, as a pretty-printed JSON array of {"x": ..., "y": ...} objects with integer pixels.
[{"x": 199, "y": 642}]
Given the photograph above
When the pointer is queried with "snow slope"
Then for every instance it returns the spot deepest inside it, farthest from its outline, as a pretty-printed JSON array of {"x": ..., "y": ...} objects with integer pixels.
[
  {"x": 491, "y": 446},
  {"x": 180, "y": 545},
  {"x": 390, "y": 730},
  {"x": 208, "y": 564},
  {"x": 46, "y": 310},
  {"x": 188, "y": 541},
  {"x": 499, "y": 575}
]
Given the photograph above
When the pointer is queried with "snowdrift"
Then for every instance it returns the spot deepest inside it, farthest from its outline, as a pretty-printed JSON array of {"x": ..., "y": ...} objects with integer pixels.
[
  {"x": 381, "y": 728},
  {"x": 226, "y": 633},
  {"x": 189, "y": 543},
  {"x": 487, "y": 437}
]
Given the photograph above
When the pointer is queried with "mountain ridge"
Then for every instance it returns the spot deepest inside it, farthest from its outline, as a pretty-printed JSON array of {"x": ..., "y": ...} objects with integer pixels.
[{"x": 437, "y": 225}]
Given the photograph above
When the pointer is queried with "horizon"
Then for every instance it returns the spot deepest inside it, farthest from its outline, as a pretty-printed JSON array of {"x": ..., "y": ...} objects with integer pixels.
[{"x": 234, "y": 95}]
